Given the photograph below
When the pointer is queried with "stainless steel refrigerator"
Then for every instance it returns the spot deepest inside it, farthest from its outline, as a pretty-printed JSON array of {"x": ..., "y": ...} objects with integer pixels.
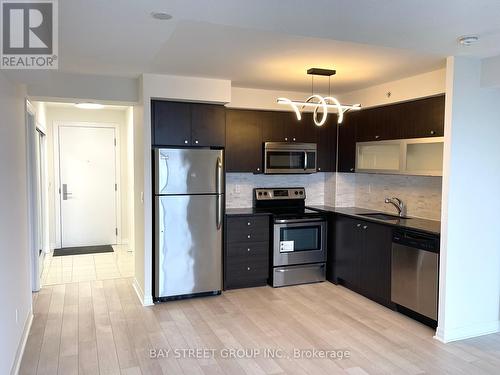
[{"x": 189, "y": 204}]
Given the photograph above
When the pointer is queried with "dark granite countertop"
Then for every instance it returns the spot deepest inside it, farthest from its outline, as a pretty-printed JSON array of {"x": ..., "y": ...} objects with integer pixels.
[
  {"x": 423, "y": 225},
  {"x": 244, "y": 211}
]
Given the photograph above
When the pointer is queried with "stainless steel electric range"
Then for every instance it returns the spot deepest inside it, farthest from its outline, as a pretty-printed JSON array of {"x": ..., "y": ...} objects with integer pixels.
[{"x": 299, "y": 236}]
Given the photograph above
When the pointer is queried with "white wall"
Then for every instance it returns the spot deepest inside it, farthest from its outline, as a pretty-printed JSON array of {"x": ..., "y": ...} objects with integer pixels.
[
  {"x": 64, "y": 86},
  {"x": 129, "y": 197},
  {"x": 419, "y": 86},
  {"x": 469, "y": 303},
  {"x": 140, "y": 248},
  {"x": 490, "y": 72},
  {"x": 15, "y": 268},
  {"x": 72, "y": 114},
  {"x": 242, "y": 97}
]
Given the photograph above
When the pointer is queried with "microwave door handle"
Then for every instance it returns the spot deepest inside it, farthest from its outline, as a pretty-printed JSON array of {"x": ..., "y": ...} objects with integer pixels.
[{"x": 305, "y": 160}]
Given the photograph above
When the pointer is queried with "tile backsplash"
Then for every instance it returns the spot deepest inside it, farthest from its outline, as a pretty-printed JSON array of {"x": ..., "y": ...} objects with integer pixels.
[
  {"x": 422, "y": 195},
  {"x": 239, "y": 186}
]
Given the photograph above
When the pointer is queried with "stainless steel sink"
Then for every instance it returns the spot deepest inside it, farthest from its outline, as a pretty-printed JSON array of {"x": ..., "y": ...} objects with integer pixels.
[{"x": 381, "y": 216}]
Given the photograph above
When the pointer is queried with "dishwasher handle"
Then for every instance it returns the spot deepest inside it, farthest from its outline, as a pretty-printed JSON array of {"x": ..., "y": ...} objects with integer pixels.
[{"x": 417, "y": 240}]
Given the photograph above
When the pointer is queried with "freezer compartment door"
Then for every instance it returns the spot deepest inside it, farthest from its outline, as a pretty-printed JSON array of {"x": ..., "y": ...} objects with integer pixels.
[
  {"x": 189, "y": 171},
  {"x": 188, "y": 253}
]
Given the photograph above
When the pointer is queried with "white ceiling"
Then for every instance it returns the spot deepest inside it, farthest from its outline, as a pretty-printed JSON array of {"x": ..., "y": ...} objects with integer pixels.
[
  {"x": 67, "y": 105},
  {"x": 270, "y": 44}
]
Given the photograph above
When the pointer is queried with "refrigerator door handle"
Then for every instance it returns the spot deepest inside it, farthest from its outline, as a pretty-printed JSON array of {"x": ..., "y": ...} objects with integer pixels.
[
  {"x": 218, "y": 175},
  {"x": 165, "y": 159},
  {"x": 218, "y": 212}
]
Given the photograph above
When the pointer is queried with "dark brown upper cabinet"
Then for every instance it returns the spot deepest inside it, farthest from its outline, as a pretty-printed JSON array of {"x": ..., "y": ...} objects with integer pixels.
[
  {"x": 377, "y": 124},
  {"x": 423, "y": 118},
  {"x": 413, "y": 119},
  {"x": 187, "y": 124},
  {"x": 347, "y": 142},
  {"x": 284, "y": 127},
  {"x": 208, "y": 125},
  {"x": 326, "y": 139},
  {"x": 243, "y": 141},
  {"x": 171, "y": 123},
  {"x": 274, "y": 126},
  {"x": 419, "y": 118},
  {"x": 306, "y": 129}
]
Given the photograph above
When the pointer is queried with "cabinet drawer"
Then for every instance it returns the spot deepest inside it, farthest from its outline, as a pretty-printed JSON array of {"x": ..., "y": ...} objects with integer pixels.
[
  {"x": 246, "y": 272},
  {"x": 248, "y": 229},
  {"x": 250, "y": 250}
]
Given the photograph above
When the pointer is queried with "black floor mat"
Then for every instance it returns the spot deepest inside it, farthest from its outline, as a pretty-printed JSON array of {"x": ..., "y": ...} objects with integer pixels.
[{"x": 82, "y": 250}]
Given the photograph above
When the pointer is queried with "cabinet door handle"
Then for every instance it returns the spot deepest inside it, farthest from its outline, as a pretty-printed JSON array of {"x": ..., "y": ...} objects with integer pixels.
[
  {"x": 248, "y": 236},
  {"x": 248, "y": 268},
  {"x": 294, "y": 139},
  {"x": 258, "y": 169},
  {"x": 365, "y": 226},
  {"x": 248, "y": 249},
  {"x": 433, "y": 132},
  {"x": 319, "y": 169},
  {"x": 286, "y": 138},
  {"x": 358, "y": 225},
  {"x": 186, "y": 141},
  {"x": 377, "y": 136},
  {"x": 196, "y": 142},
  {"x": 249, "y": 223},
  {"x": 352, "y": 169}
]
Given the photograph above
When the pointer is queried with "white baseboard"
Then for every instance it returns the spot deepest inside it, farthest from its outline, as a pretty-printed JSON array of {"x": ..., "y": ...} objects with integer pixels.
[
  {"x": 467, "y": 332},
  {"x": 22, "y": 344},
  {"x": 145, "y": 300}
]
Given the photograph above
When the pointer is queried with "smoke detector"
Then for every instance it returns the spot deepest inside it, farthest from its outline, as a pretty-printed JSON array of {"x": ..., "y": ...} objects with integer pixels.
[
  {"x": 468, "y": 40},
  {"x": 161, "y": 16}
]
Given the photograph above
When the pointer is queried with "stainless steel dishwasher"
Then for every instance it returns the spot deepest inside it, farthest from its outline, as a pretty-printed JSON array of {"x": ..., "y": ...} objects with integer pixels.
[{"x": 415, "y": 268}]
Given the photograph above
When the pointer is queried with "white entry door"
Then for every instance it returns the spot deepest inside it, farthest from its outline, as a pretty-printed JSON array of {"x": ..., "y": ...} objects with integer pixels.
[{"x": 87, "y": 185}]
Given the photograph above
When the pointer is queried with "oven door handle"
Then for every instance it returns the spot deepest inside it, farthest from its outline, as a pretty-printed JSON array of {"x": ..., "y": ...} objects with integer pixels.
[
  {"x": 305, "y": 220},
  {"x": 321, "y": 265},
  {"x": 305, "y": 160}
]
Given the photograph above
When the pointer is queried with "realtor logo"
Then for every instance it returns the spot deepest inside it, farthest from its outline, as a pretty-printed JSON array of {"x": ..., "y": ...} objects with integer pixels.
[{"x": 29, "y": 34}]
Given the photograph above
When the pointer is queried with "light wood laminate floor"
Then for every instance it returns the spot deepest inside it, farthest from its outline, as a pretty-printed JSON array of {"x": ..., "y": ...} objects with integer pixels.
[{"x": 99, "y": 327}]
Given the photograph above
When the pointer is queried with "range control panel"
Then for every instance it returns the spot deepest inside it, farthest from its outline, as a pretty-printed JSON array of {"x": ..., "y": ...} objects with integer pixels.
[{"x": 262, "y": 194}]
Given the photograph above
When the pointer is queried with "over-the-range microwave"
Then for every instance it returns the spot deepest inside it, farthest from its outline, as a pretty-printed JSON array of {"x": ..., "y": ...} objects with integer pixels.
[{"x": 289, "y": 157}]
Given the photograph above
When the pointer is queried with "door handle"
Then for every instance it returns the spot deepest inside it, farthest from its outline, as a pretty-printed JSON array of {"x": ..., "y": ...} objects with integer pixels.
[
  {"x": 218, "y": 175},
  {"x": 65, "y": 193},
  {"x": 218, "y": 212},
  {"x": 305, "y": 160}
]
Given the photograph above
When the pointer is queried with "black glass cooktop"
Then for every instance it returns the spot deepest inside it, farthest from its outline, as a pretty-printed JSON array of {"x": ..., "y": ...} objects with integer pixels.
[{"x": 289, "y": 213}]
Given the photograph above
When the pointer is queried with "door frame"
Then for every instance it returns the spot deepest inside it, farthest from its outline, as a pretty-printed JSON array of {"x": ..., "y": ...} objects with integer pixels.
[
  {"x": 34, "y": 214},
  {"x": 57, "y": 182}
]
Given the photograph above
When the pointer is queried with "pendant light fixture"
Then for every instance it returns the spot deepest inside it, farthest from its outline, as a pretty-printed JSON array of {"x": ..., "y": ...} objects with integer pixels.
[{"x": 320, "y": 104}]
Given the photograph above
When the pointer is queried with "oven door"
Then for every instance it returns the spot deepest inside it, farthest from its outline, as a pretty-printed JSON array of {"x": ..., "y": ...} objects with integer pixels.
[
  {"x": 282, "y": 158},
  {"x": 299, "y": 241}
]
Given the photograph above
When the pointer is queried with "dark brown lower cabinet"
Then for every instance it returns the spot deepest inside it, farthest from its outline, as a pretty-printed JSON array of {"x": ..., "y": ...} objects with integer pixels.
[
  {"x": 246, "y": 251},
  {"x": 362, "y": 258}
]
